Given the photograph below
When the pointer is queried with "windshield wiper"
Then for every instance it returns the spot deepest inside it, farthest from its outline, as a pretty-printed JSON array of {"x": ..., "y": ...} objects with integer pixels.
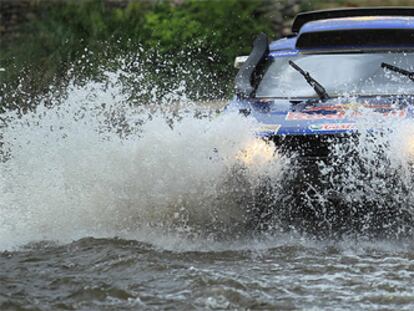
[
  {"x": 409, "y": 74},
  {"x": 319, "y": 89}
]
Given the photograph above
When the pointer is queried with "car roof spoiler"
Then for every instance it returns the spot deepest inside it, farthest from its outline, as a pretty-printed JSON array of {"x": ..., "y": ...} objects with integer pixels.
[
  {"x": 303, "y": 18},
  {"x": 244, "y": 87}
]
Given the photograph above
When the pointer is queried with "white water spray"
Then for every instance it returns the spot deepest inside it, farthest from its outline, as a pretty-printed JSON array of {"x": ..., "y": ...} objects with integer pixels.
[{"x": 93, "y": 165}]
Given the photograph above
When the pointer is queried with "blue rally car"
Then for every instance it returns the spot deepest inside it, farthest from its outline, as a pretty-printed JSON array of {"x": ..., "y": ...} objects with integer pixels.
[{"x": 307, "y": 88}]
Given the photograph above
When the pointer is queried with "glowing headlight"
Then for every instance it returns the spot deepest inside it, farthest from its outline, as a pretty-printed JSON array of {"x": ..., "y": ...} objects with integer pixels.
[
  {"x": 257, "y": 152},
  {"x": 410, "y": 148}
]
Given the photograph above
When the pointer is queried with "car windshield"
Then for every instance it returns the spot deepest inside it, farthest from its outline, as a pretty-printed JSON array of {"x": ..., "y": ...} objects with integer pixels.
[{"x": 340, "y": 74}]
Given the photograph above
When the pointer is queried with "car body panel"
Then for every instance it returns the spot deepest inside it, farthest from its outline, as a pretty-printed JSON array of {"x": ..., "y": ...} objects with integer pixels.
[{"x": 335, "y": 116}]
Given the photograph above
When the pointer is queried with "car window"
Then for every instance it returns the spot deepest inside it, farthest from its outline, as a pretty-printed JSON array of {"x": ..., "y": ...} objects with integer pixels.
[{"x": 340, "y": 74}]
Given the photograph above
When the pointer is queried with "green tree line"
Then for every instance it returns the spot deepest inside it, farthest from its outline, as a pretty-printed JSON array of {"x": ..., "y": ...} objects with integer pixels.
[{"x": 207, "y": 34}]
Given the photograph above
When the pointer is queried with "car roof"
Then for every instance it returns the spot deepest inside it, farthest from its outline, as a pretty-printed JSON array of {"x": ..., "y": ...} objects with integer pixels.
[
  {"x": 350, "y": 23},
  {"x": 283, "y": 44},
  {"x": 344, "y": 24},
  {"x": 306, "y": 17}
]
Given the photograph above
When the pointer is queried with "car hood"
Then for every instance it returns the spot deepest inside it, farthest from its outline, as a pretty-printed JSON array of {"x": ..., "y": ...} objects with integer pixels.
[{"x": 334, "y": 116}]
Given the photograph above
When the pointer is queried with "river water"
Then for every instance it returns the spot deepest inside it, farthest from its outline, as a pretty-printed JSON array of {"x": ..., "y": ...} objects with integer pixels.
[
  {"x": 284, "y": 273},
  {"x": 109, "y": 207}
]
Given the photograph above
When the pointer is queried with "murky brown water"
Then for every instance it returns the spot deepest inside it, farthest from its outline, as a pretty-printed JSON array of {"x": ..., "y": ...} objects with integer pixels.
[{"x": 282, "y": 273}]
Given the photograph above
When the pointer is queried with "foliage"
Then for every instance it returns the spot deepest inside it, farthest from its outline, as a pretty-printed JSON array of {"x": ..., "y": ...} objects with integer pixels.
[{"x": 211, "y": 33}]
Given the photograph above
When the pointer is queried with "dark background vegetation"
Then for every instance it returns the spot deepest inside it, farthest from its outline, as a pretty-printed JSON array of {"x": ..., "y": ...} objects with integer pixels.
[{"x": 42, "y": 40}]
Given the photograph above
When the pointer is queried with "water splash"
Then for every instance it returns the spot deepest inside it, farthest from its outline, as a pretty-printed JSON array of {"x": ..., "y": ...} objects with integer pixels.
[
  {"x": 366, "y": 185},
  {"x": 92, "y": 164},
  {"x": 93, "y": 161}
]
